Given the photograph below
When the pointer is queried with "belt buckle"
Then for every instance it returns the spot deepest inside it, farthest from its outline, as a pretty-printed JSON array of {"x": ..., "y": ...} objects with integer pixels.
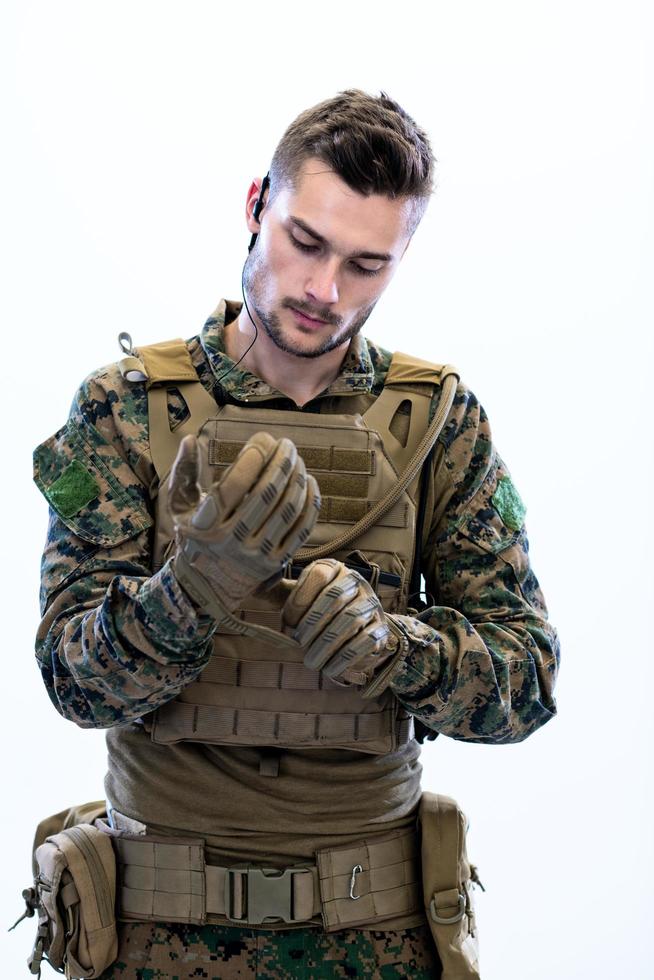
[{"x": 268, "y": 895}]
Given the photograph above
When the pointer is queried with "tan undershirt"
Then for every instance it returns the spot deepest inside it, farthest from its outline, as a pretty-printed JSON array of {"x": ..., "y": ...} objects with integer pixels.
[{"x": 321, "y": 798}]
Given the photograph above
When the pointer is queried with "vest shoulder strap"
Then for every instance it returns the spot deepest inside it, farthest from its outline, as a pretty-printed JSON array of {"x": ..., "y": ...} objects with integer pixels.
[
  {"x": 167, "y": 361},
  {"x": 165, "y": 365},
  {"x": 412, "y": 382},
  {"x": 407, "y": 369}
]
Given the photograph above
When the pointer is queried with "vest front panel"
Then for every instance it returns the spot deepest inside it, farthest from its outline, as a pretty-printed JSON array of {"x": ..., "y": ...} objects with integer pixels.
[{"x": 253, "y": 693}]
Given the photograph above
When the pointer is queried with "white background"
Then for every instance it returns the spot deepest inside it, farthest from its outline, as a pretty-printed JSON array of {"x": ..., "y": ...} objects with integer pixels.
[{"x": 131, "y": 132}]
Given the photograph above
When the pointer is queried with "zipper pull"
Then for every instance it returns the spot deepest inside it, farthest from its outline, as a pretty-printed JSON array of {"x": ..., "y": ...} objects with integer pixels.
[
  {"x": 31, "y": 903},
  {"x": 474, "y": 876}
]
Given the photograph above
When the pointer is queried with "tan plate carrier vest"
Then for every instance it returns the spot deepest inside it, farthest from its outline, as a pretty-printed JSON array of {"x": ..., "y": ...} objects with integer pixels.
[{"x": 252, "y": 692}]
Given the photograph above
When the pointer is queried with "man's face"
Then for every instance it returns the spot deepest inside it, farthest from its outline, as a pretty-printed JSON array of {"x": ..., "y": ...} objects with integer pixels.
[{"x": 325, "y": 251}]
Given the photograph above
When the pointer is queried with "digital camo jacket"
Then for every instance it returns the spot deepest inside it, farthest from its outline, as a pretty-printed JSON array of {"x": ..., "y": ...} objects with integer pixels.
[{"x": 115, "y": 641}]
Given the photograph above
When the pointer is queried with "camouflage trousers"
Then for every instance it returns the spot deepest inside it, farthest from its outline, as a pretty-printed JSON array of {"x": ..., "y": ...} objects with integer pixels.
[{"x": 167, "y": 951}]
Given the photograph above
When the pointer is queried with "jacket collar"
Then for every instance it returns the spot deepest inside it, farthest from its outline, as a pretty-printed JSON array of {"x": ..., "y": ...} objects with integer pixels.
[{"x": 357, "y": 372}]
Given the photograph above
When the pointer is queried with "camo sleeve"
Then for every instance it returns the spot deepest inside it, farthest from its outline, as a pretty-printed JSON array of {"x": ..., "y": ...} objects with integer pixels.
[
  {"x": 115, "y": 641},
  {"x": 484, "y": 661}
]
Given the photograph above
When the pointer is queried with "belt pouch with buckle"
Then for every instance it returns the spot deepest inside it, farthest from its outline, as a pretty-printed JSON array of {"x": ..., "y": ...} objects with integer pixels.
[
  {"x": 361, "y": 884},
  {"x": 73, "y": 895},
  {"x": 447, "y": 877}
]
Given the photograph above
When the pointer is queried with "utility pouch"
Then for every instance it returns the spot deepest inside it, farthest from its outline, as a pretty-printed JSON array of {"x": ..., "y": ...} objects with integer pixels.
[
  {"x": 74, "y": 895},
  {"x": 447, "y": 878}
]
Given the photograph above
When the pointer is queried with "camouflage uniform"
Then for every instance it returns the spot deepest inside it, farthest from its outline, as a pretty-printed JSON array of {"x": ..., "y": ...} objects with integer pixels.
[
  {"x": 174, "y": 952},
  {"x": 116, "y": 641}
]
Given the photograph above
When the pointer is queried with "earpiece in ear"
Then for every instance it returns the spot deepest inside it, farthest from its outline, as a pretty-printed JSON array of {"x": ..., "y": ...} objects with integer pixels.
[{"x": 265, "y": 183}]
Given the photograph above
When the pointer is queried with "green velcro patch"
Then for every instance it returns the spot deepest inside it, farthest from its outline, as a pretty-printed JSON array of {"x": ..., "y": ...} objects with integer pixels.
[
  {"x": 508, "y": 504},
  {"x": 75, "y": 488}
]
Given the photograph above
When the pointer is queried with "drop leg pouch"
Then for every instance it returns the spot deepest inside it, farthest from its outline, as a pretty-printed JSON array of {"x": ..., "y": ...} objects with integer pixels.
[
  {"x": 447, "y": 878},
  {"x": 74, "y": 894}
]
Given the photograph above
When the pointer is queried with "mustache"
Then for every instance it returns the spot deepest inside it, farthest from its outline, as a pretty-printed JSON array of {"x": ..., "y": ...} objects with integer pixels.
[{"x": 325, "y": 315}]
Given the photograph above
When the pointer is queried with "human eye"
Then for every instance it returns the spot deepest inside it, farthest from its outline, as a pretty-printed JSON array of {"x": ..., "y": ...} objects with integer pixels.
[
  {"x": 362, "y": 271},
  {"x": 302, "y": 246}
]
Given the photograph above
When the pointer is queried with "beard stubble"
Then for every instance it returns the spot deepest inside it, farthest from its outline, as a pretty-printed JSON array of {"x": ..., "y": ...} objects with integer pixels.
[{"x": 254, "y": 278}]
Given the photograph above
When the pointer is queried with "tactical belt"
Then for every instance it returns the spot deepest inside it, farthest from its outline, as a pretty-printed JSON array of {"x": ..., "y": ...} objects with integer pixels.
[{"x": 167, "y": 879}]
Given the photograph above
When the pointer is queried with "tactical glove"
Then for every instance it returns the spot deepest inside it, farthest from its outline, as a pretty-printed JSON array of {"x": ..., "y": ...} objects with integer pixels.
[
  {"x": 336, "y": 616},
  {"x": 246, "y": 527}
]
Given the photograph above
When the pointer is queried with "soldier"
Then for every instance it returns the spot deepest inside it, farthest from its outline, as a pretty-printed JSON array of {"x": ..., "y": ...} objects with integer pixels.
[{"x": 231, "y": 585}]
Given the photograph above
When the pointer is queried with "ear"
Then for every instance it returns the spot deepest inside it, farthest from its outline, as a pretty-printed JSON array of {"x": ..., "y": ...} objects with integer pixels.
[{"x": 252, "y": 197}]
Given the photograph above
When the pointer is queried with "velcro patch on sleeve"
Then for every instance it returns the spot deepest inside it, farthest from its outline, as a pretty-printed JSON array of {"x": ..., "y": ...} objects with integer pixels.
[
  {"x": 90, "y": 485},
  {"x": 73, "y": 490},
  {"x": 508, "y": 504}
]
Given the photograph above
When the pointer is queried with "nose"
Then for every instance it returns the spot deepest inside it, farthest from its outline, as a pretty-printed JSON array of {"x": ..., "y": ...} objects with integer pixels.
[{"x": 322, "y": 284}]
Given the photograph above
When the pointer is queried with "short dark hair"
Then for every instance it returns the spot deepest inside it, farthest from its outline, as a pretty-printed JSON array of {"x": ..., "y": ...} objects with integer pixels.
[{"x": 373, "y": 145}]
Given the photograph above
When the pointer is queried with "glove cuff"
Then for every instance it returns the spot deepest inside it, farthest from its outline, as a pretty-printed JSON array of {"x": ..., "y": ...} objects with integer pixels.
[
  {"x": 382, "y": 679},
  {"x": 199, "y": 589},
  {"x": 202, "y": 593}
]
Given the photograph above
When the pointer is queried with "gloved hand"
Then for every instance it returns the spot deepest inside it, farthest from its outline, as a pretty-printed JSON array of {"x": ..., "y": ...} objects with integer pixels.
[
  {"x": 246, "y": 527},
  {"x": 336, "y": 616}
]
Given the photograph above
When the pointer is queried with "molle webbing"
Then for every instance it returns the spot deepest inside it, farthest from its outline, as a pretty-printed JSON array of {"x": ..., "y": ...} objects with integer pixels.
[
  {"x": 316, "y": 458},
  {"x": 205, "y": 711},
  {"x": 215, "y": 710},
  {"x": 361, "y": 884},
  {"x": 253, "y": 692},
  {"x": 338, "y": 472},
  {"x": 343, "y": 477},
  {"x": 409, "y": 456},
  {"x": 216, "y": 723}
]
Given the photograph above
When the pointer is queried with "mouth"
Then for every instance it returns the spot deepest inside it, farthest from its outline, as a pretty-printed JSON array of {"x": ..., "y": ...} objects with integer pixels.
[{"x": 305, "y": 320}]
